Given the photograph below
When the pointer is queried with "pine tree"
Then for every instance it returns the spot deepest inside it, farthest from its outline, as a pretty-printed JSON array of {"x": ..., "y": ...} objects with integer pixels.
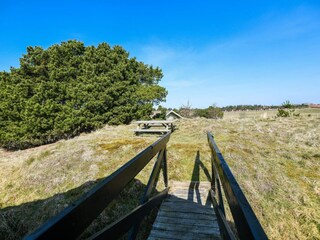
[{"x": 69, "y": 88}]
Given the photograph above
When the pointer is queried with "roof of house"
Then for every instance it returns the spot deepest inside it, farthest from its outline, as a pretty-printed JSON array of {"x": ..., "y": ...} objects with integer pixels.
[
  {"x": 173, "y": 112},
  {"x": 314, "y": 105}
]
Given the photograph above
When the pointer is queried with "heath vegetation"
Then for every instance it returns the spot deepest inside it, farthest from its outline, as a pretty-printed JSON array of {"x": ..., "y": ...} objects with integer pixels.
[{"x": 275, "y": 160}]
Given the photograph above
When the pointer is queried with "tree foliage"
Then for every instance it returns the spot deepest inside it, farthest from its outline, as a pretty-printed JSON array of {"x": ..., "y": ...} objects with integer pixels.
[
  {"x": 69, "y": 88},
  {"x": 257, "y": 107},
  {"x": 161, "y": 113},
  {"x": 211, "y": 112},
  {"x": 287, "y": 110}
]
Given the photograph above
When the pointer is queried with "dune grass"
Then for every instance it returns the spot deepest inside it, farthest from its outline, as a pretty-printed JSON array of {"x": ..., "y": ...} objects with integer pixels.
[{"x": 276, "y": 161}]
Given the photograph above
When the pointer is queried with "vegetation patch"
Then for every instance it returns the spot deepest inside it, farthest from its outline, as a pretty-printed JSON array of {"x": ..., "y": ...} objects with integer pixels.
[
  {"x": 70, "y": 88},
  {"x": 278, "y": 172},
  {"x": 118, "y": 143}
]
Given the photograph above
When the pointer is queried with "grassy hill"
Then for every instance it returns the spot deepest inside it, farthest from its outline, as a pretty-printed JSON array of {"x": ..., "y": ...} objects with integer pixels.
[{"x": 275, "y": 160}]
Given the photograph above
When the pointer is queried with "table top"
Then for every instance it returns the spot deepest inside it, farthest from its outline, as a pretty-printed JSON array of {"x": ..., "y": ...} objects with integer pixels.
[{"x": 154, "y": 121}]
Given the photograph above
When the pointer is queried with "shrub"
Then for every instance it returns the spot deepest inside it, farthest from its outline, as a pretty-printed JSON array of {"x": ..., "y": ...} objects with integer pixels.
[
  {"x": 287, "y": 110},
  {"x": 210, "y": 112},
  {"x": 68, "y": 88}
]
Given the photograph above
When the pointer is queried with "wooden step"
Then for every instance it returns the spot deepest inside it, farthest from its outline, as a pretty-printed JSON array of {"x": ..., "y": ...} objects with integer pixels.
[{"x": 186, "y": 213}]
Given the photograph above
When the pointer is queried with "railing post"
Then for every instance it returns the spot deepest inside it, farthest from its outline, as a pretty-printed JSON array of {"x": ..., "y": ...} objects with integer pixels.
[
  {"x": 220, "y": 198},
  {"x": 215, "y": 182},
  {"x": 213, "y": 176},
  {"x": 164, "y": 167}
]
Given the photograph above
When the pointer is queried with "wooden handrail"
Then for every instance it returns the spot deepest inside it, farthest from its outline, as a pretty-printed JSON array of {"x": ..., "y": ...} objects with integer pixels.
[
  {"x": 115, "y": 230},
  {"x": 247, "y": 224},
  {"x": 73, "y": 220}
]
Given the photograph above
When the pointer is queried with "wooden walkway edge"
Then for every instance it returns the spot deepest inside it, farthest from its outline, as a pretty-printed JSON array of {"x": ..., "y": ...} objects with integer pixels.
[{"x": 186, "y": 213}]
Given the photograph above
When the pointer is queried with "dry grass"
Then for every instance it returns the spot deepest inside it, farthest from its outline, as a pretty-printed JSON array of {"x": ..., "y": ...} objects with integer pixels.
[
  {"x": 276, "y": 162},
  {"x": 40, "y": 182}
]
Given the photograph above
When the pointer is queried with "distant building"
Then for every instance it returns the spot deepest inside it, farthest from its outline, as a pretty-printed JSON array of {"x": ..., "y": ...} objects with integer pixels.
[
  {"x": 314, "y": 105},
  {"x": 172, "y": 115}
]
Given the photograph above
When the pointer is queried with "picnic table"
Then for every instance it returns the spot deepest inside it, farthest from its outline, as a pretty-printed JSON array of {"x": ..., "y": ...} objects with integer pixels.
[{"x": 154, "y": 126}]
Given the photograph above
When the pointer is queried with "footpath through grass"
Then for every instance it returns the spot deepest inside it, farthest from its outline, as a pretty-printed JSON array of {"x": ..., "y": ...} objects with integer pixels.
[{"x": 276, "y": 162}]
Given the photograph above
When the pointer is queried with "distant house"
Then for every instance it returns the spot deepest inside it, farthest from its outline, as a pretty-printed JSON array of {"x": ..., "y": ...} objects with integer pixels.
[
  {"x": 172, "y": 115},
  {"x": 314, "y": 105}
]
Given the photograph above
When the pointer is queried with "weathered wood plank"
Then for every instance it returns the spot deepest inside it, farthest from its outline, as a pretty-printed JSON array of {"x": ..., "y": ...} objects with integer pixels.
[
  {"x": 185, "y": 228},
  {"x": 186, "y": 203},
  {"x": 189, "y": 222},
  {"x": 151, "y": 130},
  {"x": 171, "y": 198},
  {"x": 160, "y": 234},
  {"x": 186, "y": 214},
  {"x": 182, "y": 215},
  {"x": 154, "y": 121},
  {"x": 202, "y": 192},
  {"x": 176, "y": 184},
  {"x": 189, "y": 197},
  {"x": 187, "y": 209},
  {"x": 160, "y": 238},
  {"x": 201, "y": 202}
]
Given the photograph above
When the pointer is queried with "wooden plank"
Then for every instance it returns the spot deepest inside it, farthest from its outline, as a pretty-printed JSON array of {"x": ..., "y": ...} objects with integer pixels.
[
  {"x": 161, "y": 238},
  {"x": 186, "y": 204},
  {"x": 186, "y": 214},
  {"x": 190, "y": 222},
  {"x": 201, "y": 199},
  {"x": 192, "y": 184},
  {"x": 191, "y": 195},
  {"x": 151, "y": 130},
  {"x": 186, "y": 209},
  {"x": 203, "y": 193},
  {"x": 182, "y": 215},
  {"x": 175, "y": 200},
  {"x": 160, "y": 234},
  {"x": 185, "y": 228},
  {"x": 153, "y": 121},
  {"x": 188, "y": 189}
]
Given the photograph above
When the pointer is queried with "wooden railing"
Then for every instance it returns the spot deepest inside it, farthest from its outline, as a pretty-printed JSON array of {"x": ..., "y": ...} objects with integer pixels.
[
  {"x": 73, "y": 220},
  {"x": 246, "y": 222}
]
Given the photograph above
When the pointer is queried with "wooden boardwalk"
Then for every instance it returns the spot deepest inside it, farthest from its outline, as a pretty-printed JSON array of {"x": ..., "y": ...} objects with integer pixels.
[{"x": 186, "y": 213}]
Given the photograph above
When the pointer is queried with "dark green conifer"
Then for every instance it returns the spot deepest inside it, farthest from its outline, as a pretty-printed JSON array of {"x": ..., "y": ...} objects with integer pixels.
[{"x": 69, "y": 88}]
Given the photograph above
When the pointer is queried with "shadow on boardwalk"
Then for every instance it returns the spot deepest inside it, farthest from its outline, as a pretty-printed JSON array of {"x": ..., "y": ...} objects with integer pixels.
[
  {"x": 194, "y": 187},
  {"x": 195, "y": 180}
]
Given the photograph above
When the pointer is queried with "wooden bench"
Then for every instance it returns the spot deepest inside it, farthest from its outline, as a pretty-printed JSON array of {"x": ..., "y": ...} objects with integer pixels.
[{"x": 154, "y": 126}]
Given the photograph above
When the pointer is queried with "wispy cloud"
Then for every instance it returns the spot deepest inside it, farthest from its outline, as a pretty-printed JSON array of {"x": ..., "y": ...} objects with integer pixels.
[{"x": 242, "y": 68}]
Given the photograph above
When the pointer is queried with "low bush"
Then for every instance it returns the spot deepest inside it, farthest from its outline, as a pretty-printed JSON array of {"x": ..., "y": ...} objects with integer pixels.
[{"x": 287, "y": 110}]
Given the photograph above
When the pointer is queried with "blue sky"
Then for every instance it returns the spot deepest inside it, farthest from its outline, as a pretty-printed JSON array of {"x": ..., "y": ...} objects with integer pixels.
[{"x": 223, "y": 52}]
